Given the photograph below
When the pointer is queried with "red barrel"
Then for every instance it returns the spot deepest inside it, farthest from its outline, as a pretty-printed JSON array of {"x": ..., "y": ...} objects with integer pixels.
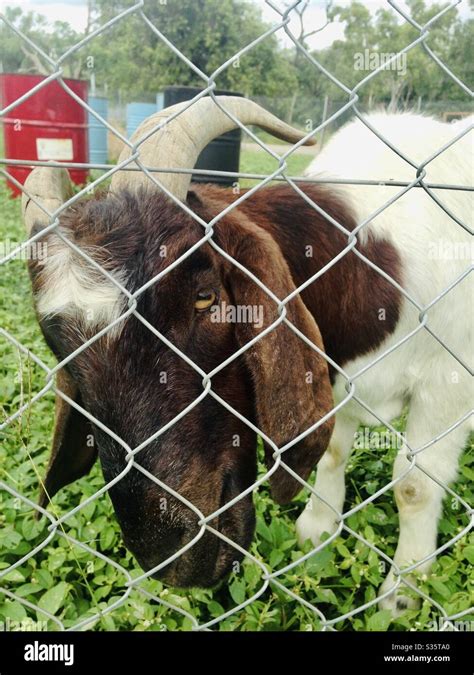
[{"x": 49, "y": 125}]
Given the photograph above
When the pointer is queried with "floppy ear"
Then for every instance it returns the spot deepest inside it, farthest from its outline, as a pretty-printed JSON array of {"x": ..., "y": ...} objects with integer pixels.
[
  {"x": 291, "y": 380},
  {"x": 74, "y": 451}
]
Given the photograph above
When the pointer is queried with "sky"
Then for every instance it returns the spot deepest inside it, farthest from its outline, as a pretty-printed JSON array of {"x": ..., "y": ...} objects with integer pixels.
[{"x": 75, "y": 13}]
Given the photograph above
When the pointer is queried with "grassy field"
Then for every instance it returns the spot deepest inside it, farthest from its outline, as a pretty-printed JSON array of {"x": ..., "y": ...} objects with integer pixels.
[
  {"x": 72, "y": 585},
  {"x": 258, "y": 161}
]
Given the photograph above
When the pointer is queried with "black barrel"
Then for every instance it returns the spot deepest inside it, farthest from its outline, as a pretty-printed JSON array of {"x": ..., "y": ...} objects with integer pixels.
[{"x": 223, "y": 153}]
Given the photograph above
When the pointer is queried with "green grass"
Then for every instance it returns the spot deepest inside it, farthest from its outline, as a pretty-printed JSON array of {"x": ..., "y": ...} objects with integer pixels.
[
  {"x": 258, "y": 161},
  {"x": 73, "y": 585}
]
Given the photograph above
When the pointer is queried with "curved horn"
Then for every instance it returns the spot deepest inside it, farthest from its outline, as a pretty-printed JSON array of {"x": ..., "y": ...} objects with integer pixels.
[
  {"x": 179, "y": 143},
  {"x": 51, "y": 187}
]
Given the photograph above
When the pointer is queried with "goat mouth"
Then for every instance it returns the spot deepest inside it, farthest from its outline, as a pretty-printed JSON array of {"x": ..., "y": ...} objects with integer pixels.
[
  {"x": 179, "y": 575},
  {"x": 212, "y": 557},
  {"x": 201, "y": 566},
  {"x": 195, "y": 567}
]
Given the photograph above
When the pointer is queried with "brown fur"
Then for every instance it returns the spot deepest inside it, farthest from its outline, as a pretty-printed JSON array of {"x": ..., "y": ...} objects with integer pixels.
[
  {"x": 280, "y": 384},
  {"x": 347, "y": 299}
]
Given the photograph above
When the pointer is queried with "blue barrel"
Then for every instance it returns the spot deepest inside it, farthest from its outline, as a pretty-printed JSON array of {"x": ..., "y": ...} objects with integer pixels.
[
  {"x": 98, "y": 133},
  {"x": 136, "y": 113}
]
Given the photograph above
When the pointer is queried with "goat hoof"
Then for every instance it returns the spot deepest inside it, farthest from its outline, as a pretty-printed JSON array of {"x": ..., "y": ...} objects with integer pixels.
[
  {"x": 312, "y": 526},
  {"x": 397, "y": 602}
]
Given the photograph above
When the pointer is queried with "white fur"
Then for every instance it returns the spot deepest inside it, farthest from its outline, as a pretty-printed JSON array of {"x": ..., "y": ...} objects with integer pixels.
[
  {"x": 438, "y": 389},
  {"x": 72, "y": 287}
]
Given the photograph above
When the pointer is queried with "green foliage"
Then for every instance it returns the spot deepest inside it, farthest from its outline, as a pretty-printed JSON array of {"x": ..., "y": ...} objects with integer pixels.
[
  {"x": 129, "y": 58},
  {"x": 131, "y": 62},
  {"x": 18, "y": 56},
  {"x": 73, "y": 585},
  {"x": 385, "y": 32},
  {"x": 207, "y": 32}
]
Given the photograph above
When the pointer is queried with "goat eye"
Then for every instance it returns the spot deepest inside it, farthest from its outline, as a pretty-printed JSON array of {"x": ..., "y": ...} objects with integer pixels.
[{"x": 205, "y": 299}]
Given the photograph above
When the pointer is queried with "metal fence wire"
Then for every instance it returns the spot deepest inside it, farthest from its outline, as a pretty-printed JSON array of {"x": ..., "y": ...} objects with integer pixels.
[{"x": 271, "y": 578}]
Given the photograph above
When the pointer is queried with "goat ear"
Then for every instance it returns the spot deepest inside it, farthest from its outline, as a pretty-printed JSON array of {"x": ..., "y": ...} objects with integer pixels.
[
  {"x": 74, "y": 451},
  {"x": 290, "y": 379}
]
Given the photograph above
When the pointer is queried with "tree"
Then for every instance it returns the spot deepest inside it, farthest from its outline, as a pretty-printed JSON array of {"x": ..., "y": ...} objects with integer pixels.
[
  {"x": 129, "y": 60},
  {"x": 132, "y": 58},
  {"x": 384, "y": 32},
  {"x": 17, "y": 56},
  {"x": 303, "y": 68}
]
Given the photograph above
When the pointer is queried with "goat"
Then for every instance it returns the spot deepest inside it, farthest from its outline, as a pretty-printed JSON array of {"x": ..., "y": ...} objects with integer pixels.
[{"x": 284, "y": 385}]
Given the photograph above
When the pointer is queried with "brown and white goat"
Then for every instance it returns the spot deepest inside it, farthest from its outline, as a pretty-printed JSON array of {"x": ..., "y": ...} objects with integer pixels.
[{"x": 133, "y": 383}]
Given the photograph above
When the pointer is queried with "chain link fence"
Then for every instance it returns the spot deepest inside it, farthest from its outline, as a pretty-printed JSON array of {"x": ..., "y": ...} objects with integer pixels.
[{"x": 272, "y": 576}]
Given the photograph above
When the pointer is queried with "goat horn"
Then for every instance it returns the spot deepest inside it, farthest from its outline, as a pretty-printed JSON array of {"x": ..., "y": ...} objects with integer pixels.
[
  {"x": 178, "y": 144},
  {"x": 51, "y": 187}
]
